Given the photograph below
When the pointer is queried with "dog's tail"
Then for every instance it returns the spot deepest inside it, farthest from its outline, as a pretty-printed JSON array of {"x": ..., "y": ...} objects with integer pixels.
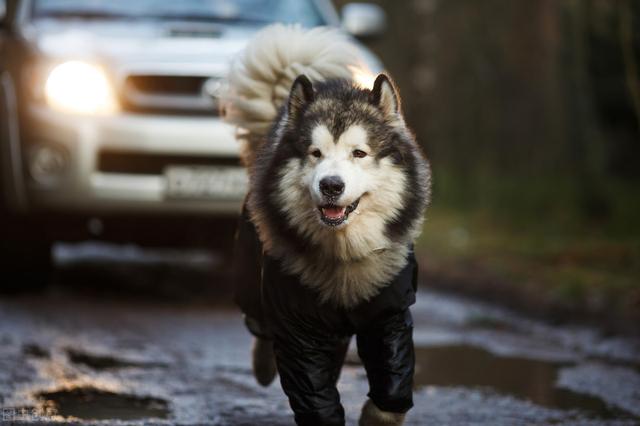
[{"x": 260, "y": 78}]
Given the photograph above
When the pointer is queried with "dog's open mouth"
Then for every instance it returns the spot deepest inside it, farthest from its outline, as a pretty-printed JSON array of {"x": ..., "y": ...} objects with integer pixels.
[{"x": 334, "y": 215}]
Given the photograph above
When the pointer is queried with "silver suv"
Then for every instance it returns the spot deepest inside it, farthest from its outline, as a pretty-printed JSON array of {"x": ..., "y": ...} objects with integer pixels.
[{"x": 109, "y": 126}]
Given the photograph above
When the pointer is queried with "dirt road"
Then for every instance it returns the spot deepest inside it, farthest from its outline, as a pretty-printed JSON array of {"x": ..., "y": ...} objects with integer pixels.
[{"x": 85, "y": 359}]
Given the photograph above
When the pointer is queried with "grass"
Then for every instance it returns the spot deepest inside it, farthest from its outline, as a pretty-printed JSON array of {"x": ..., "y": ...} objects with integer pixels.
[{"x": 578, "y": 267}]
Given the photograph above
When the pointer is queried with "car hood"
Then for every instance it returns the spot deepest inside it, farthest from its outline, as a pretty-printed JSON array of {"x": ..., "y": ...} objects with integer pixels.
[{"x": 182, "y": 47}]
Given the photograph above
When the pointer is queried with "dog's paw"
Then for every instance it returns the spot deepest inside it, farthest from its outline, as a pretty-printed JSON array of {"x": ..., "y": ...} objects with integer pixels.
[
  {"x": 264, "y": 361},
  {"x": 373, "y": 416}
]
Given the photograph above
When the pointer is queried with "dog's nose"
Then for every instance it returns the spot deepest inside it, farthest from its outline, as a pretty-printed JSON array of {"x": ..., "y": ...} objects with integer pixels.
[{"x": 332, "y": 186}]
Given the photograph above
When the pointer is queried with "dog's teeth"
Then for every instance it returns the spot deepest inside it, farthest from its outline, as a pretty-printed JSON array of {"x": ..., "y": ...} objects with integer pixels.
[{"x": 334, "y": 212}]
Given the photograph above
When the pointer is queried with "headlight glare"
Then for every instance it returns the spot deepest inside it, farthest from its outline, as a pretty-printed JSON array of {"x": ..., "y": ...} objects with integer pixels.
[
  {"x": 362, "y": 76},
  {"x": 80, "y": 88}
]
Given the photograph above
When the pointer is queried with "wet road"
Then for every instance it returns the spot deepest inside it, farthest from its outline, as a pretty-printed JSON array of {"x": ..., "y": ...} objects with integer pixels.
[{"x": 89, "y": 357}]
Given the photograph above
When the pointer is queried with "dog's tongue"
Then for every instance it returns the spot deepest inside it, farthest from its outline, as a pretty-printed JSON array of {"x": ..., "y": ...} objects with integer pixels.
[{"x": 333, "y": 212}]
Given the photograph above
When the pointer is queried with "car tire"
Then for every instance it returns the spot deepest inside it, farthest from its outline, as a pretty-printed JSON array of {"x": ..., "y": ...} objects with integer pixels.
[{"x": 25, "y": 252}]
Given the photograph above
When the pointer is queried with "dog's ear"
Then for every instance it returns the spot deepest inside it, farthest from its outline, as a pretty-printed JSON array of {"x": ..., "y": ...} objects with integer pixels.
[
  {"x": 300, "y": 95},
  {"x": 385, "y": 96}
]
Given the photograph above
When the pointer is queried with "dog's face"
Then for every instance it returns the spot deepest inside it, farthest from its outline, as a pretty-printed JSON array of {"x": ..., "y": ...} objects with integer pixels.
[
  {"x": 350, "y": 171},
  {"x": 340, "y": 177},
  {"x": 339, "y": 188},
  {"x": 343, "y": 169}
]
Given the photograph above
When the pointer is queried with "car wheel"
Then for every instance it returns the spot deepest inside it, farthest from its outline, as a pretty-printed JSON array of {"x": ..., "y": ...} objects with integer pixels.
[
  {"x": 25, "y": 255},
  {"x": 25, "y": 258}
]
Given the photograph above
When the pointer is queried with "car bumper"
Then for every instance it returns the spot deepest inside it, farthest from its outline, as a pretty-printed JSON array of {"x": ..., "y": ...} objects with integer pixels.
[{"x": 75, "y": 181}]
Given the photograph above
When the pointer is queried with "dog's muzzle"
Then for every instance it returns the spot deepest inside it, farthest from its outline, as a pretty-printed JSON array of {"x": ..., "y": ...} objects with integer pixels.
[{"x": 334, "y": 215}]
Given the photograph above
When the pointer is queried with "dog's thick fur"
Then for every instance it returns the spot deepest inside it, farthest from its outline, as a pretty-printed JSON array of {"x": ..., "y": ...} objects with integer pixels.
[
  {"x": 259, "y": 81},
  {"x": 324, "y": 111}
]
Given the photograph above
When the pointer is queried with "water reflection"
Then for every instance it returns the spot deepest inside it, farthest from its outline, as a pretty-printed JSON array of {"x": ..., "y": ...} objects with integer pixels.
[{"x": 533, "y": 380}]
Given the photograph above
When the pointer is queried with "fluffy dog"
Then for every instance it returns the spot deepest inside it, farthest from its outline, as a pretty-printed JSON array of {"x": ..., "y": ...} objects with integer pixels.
[{"x": 338, "y": 189}]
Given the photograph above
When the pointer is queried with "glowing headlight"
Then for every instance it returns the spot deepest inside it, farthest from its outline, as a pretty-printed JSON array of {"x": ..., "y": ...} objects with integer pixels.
[{"x": 79, "y": 87}]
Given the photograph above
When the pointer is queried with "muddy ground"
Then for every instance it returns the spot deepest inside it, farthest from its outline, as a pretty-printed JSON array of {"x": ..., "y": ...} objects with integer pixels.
[{"x": 130, "y": 336}]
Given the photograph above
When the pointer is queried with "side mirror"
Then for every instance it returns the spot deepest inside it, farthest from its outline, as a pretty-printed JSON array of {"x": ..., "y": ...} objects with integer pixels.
[{"x": 364, "y": 19}]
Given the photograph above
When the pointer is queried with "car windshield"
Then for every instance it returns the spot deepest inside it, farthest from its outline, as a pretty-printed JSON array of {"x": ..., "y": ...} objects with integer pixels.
[{"x": 255, "y": 12}]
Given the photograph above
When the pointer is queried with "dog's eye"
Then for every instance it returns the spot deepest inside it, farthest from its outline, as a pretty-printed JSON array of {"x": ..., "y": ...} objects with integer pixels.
[
  {"x": 359, "y": 154},
  {"x": 316, "y": 153}
]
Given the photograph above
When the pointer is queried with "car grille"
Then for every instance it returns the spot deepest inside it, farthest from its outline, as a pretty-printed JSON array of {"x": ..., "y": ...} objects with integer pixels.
[
  {"x": 185, "y": 85},
  {"x": 170, "y": 94},
  {"x": 155, "y": 164}
]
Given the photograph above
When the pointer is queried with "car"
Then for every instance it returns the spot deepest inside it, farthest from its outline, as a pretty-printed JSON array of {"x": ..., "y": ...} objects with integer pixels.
[{"x": 109, "y": 123}]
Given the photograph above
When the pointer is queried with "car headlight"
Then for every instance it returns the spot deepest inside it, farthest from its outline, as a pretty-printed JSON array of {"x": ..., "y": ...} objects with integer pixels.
[{"x": 80, "y": 88}]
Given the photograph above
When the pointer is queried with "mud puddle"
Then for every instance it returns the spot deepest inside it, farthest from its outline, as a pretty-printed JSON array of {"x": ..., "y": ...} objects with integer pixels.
[
  {"x": 107, "y": 362},
  {"x": 96, "y": 404},
  {"x": 523, "y": 378}
]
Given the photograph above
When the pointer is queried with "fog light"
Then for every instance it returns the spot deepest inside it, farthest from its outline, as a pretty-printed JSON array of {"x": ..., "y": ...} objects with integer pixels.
[
  {"x": 47, "y": 163},
  {"x": 95, "y": 226}
]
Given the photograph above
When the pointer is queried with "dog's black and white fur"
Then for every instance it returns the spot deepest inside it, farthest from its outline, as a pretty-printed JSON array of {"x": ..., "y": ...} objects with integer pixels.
[
  {"x": 338, "y": 185},
  {"x": 357, "y": 137}
]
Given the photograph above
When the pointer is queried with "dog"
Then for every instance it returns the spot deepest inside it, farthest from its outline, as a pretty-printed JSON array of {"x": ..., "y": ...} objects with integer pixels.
[{"x": 338, "y": 188}]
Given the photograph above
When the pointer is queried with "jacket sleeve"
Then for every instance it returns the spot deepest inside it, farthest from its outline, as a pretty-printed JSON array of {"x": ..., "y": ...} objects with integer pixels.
[
  {"x": 309, "y": 369},
  {"x": 386, "y": 350}
]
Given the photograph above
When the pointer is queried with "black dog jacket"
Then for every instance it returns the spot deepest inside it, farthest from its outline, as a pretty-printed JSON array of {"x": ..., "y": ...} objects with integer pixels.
[{"x": 311, "y": 339}]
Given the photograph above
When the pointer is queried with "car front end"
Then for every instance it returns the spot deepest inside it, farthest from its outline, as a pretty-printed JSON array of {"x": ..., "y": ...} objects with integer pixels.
[
  {"x": 119, "y": 116},
  {"x": 109, "y": 120}
]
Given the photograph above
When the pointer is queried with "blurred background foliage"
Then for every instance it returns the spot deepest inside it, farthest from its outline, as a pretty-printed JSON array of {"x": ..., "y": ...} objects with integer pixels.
[{"x": 530, "y": 114}]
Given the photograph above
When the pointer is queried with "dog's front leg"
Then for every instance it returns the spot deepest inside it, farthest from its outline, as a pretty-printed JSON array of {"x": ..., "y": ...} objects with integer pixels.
[
  {"x": 386, "y": 350},
  {"x": 309, "y": 369}
]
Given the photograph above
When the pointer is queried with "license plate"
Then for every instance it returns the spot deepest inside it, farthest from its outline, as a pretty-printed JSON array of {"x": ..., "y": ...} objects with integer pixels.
[{"x": 206, "y": 182}]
